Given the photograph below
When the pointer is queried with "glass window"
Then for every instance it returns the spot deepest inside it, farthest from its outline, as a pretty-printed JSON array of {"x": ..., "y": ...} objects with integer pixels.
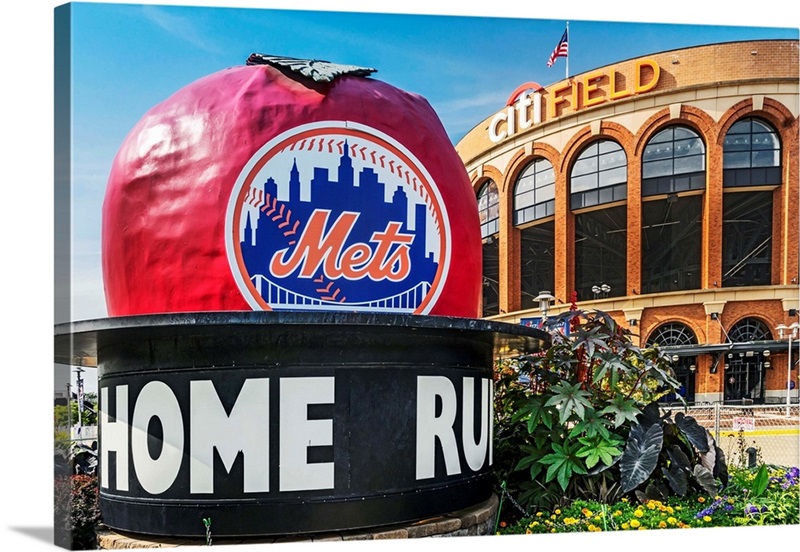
[
  {"x": 534, "y": 193},
  {"x": 601, "y": 252},
  {"x": 537, "y": 261},
  {"x": 751, "y": 154},
  {"x": 491, "y": 277},
  {"x": 677, "y": 334},
  {"x": 673, "y": 161},
  {"x": 744, "y": 375},
  {"x": 602, "y": 165},
  {"x": 746, "y": 238},
  {"x": 489, "y": 209},
  {"x": 671, "y": 243}
]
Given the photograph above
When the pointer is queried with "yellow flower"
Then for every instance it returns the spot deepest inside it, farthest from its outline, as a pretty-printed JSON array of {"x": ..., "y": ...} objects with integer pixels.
[
  {"x": 538, "y": 514},
  {"x": 586, "y": 512},
  {"x": 553, "y": 516},
  {"x": 670, "y": 509},
  {"x": 618, "y": 513},
  {"x": 626, "y": 526},
  {"x": 701, "y": 499},
  {"x": 635, "y": 523},
  {"x": 624, "y": 499},
  {"x": 558, "y": 512},
  {"x": 672, "y": 521},
  {"x": 706, "y": 518},
  {"x": 638, "y": 513},
  {"x": 528, "y": 532},
  {"x": 535, "y": 524},
  {"x": 661, "y": 524},
  {"x": 553, "y": 530}
]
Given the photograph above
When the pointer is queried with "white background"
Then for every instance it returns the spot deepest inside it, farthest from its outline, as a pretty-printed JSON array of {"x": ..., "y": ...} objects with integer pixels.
[{"x": 27, "y": 268}]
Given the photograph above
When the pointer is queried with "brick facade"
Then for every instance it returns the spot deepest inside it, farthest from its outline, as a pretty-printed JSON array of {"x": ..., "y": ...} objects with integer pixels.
[{"x": 707, "y": 89}]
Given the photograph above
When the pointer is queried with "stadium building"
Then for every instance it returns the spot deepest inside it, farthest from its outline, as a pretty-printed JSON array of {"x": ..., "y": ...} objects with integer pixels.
[{"x": 662, "y": 190}]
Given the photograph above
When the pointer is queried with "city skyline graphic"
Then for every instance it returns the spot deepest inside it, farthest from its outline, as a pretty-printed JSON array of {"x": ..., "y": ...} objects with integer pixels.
[{"x": 359, "y": 237}]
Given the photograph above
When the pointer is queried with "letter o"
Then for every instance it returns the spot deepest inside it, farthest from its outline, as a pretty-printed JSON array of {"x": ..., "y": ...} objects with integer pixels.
[{"x": 157, "y": 400}]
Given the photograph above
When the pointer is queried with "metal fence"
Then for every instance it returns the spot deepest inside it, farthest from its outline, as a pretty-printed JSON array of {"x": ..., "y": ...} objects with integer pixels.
[{"x": 767, "y": 434}]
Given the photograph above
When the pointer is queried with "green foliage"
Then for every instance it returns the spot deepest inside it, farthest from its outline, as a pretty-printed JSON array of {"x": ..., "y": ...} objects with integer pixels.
[
  {"x": 563, "y": 415},
  {"x": 777, "y": 504}
]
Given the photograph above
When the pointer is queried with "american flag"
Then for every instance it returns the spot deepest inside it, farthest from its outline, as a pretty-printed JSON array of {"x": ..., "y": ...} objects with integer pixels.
[{"x": 561, "y": 50}]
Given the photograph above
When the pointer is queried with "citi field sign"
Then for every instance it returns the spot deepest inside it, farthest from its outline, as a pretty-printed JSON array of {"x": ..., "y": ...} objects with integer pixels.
[
  {"x": 524, "y": 107},
  {"x": 337, "y": 216}
]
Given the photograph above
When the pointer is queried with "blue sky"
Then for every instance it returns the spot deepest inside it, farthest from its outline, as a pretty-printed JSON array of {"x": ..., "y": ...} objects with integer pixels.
[{"x": 127, "y": 58}]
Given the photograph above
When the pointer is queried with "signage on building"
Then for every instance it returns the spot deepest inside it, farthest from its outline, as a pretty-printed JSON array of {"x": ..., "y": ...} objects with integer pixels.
[{"x": 524, "y": 107}]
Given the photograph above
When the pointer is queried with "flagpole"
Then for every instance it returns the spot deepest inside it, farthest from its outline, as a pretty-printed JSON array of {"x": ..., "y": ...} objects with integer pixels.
[{"x": 569, "y": 41}]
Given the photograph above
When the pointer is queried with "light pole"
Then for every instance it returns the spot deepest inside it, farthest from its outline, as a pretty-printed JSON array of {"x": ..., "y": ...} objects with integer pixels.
[
  {"x": 544, "y": 298},
  {"x": 793, "y": 331}
]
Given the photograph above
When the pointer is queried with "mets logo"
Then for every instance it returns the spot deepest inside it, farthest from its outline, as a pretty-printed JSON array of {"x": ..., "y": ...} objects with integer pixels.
[{"x": 338, "y": 216}]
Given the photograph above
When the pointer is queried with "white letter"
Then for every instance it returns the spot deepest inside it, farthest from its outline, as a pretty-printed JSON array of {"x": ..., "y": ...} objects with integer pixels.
[
  {"x": 475, "y": 453},
  {"x": 429, "y": 427},
  {"x": 523, "y": 104},
  {"x": 537, "y": 108},
  {"x": 114, "y": 436},
  {"x": 298, "y": 433},
  {"x": 157, "y": 400},
  {"x": 494, "y": 136},
  {"x": 246, "y": 430}
]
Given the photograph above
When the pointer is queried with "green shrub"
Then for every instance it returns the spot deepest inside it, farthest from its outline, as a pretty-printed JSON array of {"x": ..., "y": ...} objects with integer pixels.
[{"x": 563, "y": 416}]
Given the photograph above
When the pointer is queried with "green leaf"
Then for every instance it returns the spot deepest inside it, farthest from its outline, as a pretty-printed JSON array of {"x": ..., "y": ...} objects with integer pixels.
[
  {"x": 592, "y": 425},
  {"x": 563, "y": 463},
  {"x": 599, "y": 449},
  {"x": 569, "y": 399},
  {"x": 536, "y": 412},
  {"x": 761, "y": 481},
  {"x": 622, "y": 409}
]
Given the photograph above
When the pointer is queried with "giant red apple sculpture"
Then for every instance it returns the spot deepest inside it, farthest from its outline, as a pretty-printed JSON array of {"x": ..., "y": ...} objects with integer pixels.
[{"x": 290, "y": 185}]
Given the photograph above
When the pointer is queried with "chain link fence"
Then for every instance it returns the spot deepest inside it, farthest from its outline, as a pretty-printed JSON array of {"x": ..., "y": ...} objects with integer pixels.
[{"x": 751, "y": 434}]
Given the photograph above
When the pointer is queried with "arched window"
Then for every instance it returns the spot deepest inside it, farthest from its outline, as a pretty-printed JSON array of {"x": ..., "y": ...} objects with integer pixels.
[
  {"x": 534, "y": 193},
  {"x": 751, "y": 154},
  {"x": 674, "y": 334},
  {"x": 489, "y": 208},
  {"x": 599, "y": 177},
  {"x": 751, "y": 159},
  {"x": 489, "y": 211},
  {"x": 744, "y": 370},
  {"x": 673, "y": 163},
  {"x": 670, "y": 334},
  {"x": 674, "y": 160},
  {"x": 749, "y": 329},
  {"x": 534, "y": 208}
]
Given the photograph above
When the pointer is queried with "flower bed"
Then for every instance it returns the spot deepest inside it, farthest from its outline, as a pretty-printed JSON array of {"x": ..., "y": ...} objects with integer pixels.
[{"x": 767, "y": 496}]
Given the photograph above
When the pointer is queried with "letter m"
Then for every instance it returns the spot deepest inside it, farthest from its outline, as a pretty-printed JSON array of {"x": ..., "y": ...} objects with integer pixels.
[{"x": 246, "y": 429}]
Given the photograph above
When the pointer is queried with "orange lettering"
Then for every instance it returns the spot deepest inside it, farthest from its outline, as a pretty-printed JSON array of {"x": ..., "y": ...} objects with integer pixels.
[
  {"x": 640, "y": 65},
  {"x": 617, "y": 94},
  {"x": 389, "y": 261},
  {"x": 594, "y": 79}
]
